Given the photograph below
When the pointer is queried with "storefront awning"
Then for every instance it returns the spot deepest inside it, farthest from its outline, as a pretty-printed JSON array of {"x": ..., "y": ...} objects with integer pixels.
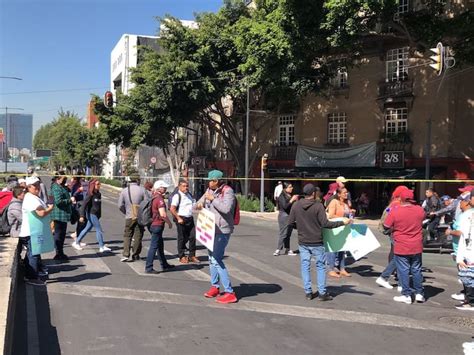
[
  {"x": 356, "y": 156},
  {"x": 369, "y": 173}
]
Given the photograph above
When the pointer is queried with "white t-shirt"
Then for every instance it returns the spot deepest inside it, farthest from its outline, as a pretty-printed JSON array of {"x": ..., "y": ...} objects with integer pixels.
[
  {"x": 466, "y": 241},
  {"x": 30, "y": 203},
  {"x": 278, "y": 191},
  {"x": 185, "y": 208}
]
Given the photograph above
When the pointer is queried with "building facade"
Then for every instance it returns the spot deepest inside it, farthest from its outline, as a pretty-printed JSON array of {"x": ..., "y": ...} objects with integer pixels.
[{"x": 17, "y": 129}]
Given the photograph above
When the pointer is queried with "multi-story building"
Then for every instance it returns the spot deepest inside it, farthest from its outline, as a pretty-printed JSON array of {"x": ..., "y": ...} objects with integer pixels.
[{"x": 17, "y": 129}]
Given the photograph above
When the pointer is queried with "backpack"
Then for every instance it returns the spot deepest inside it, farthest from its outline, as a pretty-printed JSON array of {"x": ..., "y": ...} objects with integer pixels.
[
  {"x": 145, "y": 215},
  {"x": 4, "y": 224},
  {"x": 236, "y": 207}
]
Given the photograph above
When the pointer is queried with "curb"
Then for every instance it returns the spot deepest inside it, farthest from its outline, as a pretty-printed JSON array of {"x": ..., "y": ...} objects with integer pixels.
[{"x": 8, "y": 299}]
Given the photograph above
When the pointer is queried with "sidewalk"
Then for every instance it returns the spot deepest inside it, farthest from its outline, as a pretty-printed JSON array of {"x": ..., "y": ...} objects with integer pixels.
[
  {"x": 8, "y": 279},
  {"x": 273, "y": 216}
]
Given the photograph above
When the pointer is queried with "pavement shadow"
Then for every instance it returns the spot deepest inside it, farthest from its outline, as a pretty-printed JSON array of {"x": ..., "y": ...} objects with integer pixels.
[
  {"x": 79, "y": 278},
  {"x": 431, "y": 291},
  {"x": 251, "y": 290},
  {"x": 364, "y": 270},
  {"x": 339, "y": 290}
]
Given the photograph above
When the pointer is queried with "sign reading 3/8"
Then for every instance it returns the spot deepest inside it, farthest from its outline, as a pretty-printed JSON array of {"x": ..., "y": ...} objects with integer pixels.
[{"x": 394, "y": 159}]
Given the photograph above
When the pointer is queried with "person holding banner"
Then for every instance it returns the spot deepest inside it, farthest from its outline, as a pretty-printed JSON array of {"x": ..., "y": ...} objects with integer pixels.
[
  {"x": 406, "y": 223},
  {"x": 338, "y": 207},
  {"x": 33, "y": 205},
  {"x": 220, "y": 200}
]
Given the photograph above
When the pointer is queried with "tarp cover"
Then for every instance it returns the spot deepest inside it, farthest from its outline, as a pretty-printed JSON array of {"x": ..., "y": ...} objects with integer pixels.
[{"x": 356, "y": 156}]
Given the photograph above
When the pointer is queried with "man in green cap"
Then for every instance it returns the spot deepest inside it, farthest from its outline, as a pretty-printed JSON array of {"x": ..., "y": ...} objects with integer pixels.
[{"x": 219, "y": 199}]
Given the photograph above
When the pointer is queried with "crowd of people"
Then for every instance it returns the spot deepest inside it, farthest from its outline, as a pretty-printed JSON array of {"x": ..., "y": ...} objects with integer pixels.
[{"x": 80, "y": 202}]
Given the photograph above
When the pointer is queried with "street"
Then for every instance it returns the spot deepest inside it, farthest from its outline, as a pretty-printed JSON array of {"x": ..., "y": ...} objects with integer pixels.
[{"x": 95, "y": 304}]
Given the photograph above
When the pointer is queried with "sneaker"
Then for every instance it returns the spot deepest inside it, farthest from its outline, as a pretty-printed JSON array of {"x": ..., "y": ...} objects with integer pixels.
[
  {"x": 334, "y": 274},
  {"x": 76, "y": 246},
  {"x": 194, "y": 259},
  {"x": 399, "y": 288},
  {"x": 227, "y": 297},
  {"x": 458, "y": 296},
  {"x": 82, "y": 244},
  {"x": 35, "y": 282},
  {"x": 403, "y": 299},
  {"x": 61, "y": 257},
  {"x": 325, "y": 297},
  {"x": 309, "y": 296},
  {"x": 104, "y": 249},
  {"x": 343, "y": 272},
  {"x": 135, "y": 257},
  {"x": 291, "y": 253},
  {"x": 124, "y": 259},
  {"x": 468, "y": 345},
  {"x": 465, "y": 307},
  {"x": 384, "y": 283},
  {"x": 167, "y": 267},
  {"x": 419, "y": 298},
  {"x": 42, "y": 273},
  {"x": 152, "y": 271},
  {"x": 212, "y": 292},
  {"x": 277, "y": 252}
]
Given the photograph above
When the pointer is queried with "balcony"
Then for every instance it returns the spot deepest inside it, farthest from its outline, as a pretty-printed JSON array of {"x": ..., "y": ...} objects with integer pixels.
[
  {"x": 395, "y": 142},
  {"x": 284, "y": 152},
  {"x": 395, "y": 89}
]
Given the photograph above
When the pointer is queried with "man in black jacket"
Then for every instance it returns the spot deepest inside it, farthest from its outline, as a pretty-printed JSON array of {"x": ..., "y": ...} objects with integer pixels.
[{"x": 310, "y": 218}]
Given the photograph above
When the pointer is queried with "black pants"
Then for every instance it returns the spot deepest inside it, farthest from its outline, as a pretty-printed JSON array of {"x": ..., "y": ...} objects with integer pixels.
[
  {"x": 186, "y": 233},
  {"x": 60, "y": 229}
]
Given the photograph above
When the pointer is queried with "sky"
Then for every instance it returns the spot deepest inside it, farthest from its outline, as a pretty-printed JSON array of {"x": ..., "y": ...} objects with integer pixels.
[{"x": 64, "y": 46}]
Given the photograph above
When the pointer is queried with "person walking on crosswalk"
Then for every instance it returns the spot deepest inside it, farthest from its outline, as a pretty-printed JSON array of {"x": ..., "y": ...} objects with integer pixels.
[
  {"x": 91, "y": 209},
  {"x": 220, "y": 200}
]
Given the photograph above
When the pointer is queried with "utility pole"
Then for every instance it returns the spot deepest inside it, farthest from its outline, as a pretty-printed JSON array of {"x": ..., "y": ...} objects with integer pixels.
[
  {"x": 263, "y": 166},
  {"x": 6, "y": 139},
  {"x": 247, "y": 125}
]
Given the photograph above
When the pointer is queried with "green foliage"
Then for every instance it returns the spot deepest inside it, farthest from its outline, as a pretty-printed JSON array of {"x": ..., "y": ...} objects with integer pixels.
[
  {"x": 252, "y": 204},
  {"x": 269, "y": 205},
  {"x": 112, "y": 182}
]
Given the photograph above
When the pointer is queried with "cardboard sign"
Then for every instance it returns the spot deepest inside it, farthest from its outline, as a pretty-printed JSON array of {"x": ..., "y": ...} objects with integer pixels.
[
  {"x": 206, "y": 229},
  {"x": 40, "y": 234}
]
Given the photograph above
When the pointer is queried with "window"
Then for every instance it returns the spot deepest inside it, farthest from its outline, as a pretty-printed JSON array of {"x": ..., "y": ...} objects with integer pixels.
[
  {"x": 403, "y": 6},
  {"x": 396, "y": 120},
  {"x": 397, "y": 64},
  {"x": 339, "y": 81},
  {"x": 337, "y": 128},
  {"x": 287, "y": 129}
]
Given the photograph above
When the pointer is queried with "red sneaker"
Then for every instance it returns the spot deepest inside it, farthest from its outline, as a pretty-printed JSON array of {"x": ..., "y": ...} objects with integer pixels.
[
  {"x": 213, "y": 292},
  {"x": 227, "y": 297}
]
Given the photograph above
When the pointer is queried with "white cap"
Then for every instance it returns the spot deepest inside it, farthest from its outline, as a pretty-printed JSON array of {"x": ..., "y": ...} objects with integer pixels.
[
  {"x": 31, "y": 180},
  {"x": 160, "y": 183},
  {"x": 21, "y": 181},
  {"x": 341, "y": 179}
]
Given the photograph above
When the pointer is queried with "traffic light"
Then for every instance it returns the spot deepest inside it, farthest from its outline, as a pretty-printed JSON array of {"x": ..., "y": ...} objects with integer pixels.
[
  {"x": 108, "y": 99},
  {"x": 438, "y": 58},
  {"x": 264, "y": 161}
]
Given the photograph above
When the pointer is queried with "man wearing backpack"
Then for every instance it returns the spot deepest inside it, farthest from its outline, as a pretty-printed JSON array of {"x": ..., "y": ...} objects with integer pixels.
[
  {"x": 181, "y": 208},
  {"x": 220, "y": 200}
]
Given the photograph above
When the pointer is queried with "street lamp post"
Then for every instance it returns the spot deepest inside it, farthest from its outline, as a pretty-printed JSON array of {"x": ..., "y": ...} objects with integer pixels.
[
  {"x": 247, "y": 124},
  {"x": 7, "y": 141}
]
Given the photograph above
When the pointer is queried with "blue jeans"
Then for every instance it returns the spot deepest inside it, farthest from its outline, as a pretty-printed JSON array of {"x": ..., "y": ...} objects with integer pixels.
[
  {"x": 216, "y": 264},
  {"x": 405, "y": 265},
  {"x": 92, "y": 221},
  {"x": 31, "y": 261},
  {"x": 156, "y": 244},
  {"x": 337, "y": 259},
  {"x": 392, "y": 266},
  {"x": 306, "y": 252}
]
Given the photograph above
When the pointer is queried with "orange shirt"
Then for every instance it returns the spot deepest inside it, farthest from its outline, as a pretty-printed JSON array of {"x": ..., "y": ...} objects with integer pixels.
[{"x": 337, "y": 208}]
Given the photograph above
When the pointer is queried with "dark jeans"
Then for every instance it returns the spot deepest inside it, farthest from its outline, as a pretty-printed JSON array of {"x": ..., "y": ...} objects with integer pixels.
[
  {"x": 432, "y": 227},
  {"x": 186, "y": 233},
  {"x": 132, "y": 231},
  {"x": 285, "y": 231},
  {"x": 156, "y": 245},
  {"x": 392, "y": 266},
  {"x": 60, "y": 229},
  {"x": 31, "y": 261},
  {"x": 407, "y": 264}
]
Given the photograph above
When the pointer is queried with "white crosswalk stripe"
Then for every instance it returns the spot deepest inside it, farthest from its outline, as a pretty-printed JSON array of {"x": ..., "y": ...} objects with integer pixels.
[{"x": 94, "y": 263}]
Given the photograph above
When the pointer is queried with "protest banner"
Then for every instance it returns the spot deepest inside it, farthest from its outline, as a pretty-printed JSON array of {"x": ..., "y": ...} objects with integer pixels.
[
  {"x": 206, "y": 229},
  {"x": 40, "y": 234}
]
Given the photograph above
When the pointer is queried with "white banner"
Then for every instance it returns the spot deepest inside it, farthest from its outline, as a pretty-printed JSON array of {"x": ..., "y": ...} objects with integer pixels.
[{"x": 206, "y": 229}]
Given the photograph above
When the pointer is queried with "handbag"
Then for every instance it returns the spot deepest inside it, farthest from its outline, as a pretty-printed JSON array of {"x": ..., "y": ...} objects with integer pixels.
[{"x": 74, "y": 215}]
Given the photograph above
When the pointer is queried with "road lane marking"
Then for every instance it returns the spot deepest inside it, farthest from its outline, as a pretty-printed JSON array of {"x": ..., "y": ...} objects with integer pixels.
[
  {"x": 31, "y": 321},
  {"x": 92, "y": 264},
  {"x": 258, "y": 307}
]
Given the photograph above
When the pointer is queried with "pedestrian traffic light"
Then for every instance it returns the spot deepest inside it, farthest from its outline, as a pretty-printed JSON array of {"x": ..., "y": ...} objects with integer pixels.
[
  {"x": 264, "y": 161},
  {"x": 438, "y": 58},
  {"x": 108, "y": 99}
]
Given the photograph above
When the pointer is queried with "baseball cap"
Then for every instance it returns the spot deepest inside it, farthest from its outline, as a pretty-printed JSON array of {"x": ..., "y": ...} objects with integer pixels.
[
  {"x": 31, "y": 180},
  {"x": 341, "y": 179},
  {"x": 398, "y": 190},
  {"x": 467, "y": 188},
  {"x": 465, "y": 197},
  {"x": 215, "y": 175},
  {"x": 160, "y": 183},
  {"x": 310, "y": 189},
  {"x": 445, "y": 198},
  {"x": 407, "y": 194}
]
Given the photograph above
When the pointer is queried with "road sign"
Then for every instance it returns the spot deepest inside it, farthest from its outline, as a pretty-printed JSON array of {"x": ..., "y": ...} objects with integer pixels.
[
  {"x": 43, "y": 153},
  {"x": 392, "y": 159},
  {"x": 153, "y": 160}
]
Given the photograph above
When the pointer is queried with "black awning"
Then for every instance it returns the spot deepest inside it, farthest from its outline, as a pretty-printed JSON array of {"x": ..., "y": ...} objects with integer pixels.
[{"x": 368, "y": 173}]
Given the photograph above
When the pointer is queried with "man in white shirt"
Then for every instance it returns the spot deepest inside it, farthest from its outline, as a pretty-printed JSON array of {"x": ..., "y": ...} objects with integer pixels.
[
  {"x": 182, "y": 204},
  {"x": 278, "y": 191}
]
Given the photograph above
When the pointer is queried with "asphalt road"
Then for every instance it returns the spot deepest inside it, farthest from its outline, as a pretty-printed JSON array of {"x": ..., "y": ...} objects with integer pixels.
[{"x": 97, "y": 305}]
